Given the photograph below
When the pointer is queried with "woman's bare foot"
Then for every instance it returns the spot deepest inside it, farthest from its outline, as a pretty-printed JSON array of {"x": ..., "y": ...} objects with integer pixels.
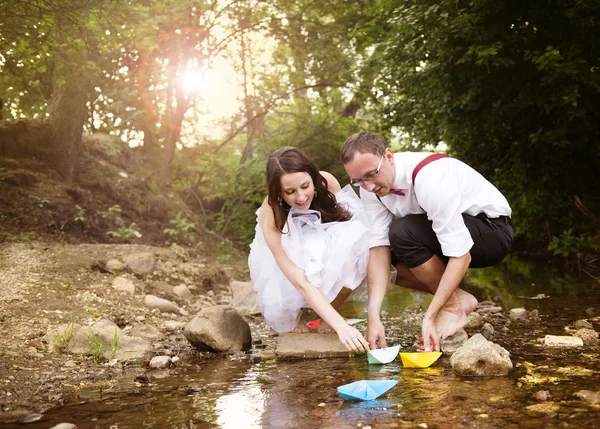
[
  {"x": 324, "y": 328},
  {"x": 301, "y": 328}
]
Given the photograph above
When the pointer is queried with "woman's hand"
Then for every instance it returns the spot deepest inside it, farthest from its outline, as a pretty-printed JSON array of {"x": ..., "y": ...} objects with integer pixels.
[{"x": 352, "y": 339}]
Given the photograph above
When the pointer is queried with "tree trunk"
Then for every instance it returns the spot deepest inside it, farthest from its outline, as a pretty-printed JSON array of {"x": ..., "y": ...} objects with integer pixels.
[{"x": 67, "y": 115}]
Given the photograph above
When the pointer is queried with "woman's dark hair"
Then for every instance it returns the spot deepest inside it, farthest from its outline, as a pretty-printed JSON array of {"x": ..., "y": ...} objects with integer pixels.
[{"x": 292, "y": 160}]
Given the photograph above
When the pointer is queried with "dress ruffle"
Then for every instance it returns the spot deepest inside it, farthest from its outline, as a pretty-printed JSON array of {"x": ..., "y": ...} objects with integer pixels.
[{"x": 333, "y": 255}]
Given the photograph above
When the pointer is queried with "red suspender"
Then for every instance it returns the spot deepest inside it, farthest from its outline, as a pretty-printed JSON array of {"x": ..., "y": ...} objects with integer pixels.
[
  {"x": 423, "y": 163},
  {"x": 426, "y": 161}
]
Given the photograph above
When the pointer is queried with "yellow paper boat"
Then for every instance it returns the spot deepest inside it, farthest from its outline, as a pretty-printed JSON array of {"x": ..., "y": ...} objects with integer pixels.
[
  {"x": 419, "y": 359},
  {"x": 381, "y": 356}
]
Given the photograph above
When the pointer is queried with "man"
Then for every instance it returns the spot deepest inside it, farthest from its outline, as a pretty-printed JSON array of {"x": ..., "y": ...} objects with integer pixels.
[{"x": 449, "y": 218}]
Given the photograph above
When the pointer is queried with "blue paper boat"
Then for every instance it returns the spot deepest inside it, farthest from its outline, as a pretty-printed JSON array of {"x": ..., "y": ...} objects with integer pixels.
[{"x": 365, "y": 389}]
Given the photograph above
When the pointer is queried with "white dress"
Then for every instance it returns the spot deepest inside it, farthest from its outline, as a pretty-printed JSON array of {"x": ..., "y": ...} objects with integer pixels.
[{"x": 333, "y": 255}]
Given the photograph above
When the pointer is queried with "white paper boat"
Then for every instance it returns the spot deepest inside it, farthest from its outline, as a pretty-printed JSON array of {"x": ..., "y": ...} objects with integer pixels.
[{"x": 381, "y": 356}]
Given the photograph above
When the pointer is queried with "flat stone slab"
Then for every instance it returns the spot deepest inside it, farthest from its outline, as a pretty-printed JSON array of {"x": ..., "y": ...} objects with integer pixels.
[
  {"x": 562, "y": 341},
  {"x": 310, "y": 346}
]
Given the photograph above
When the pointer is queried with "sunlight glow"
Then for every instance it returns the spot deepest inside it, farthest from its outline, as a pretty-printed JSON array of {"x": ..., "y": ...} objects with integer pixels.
[{"x": 193, "y": 82}]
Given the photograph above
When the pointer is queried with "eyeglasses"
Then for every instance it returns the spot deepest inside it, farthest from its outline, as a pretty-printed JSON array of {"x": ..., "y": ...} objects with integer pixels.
[{"x": 369, "y": 176}]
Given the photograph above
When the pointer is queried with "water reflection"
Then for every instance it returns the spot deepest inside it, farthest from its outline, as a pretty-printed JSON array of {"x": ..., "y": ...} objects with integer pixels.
[{"x": 303, "y": 394}]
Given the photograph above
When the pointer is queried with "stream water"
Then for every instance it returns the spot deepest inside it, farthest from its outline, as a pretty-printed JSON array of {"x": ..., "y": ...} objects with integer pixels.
[{"x": 226, "y": 393}]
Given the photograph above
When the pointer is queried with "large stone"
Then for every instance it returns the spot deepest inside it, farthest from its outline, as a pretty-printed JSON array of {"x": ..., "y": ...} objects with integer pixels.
[
  {"x": 244, "y": 297},
  {"x": 562, "y": 341},
  {"x": 588, "y": 336},
  {"x": 160, "y": 362},
  {"x": 480, "y": 357},
  {"x": 454, "y": 342},
  {"x": 106, "y": 340},
  {"x": 141, "y": 263},
  {"x": 219, "y": 328},
  {"x": 588, "y": 396},
  {"x": 581, "y": 324},
  {"x": 308, "y": 346}
]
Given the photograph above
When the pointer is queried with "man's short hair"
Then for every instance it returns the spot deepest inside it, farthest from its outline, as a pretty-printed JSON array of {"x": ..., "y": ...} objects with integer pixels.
[{"x": 363, "y": 142}]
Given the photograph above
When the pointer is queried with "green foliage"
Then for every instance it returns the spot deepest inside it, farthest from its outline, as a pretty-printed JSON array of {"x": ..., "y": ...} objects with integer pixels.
[
  {"x": 27, "y": 236},
  {"x": 80, "y": 216},
  {"x": 182, "y": 228},
  {"x": 510, "y": 87},
  {"x": 568, "y": 244},
  {"x": 112, "y": 211},
  {"x": 62, "y": 340},
  {"x": 125, "y": 232},
  {"x": 96, "y": 349},
  {"x": 114, "y": 345}
]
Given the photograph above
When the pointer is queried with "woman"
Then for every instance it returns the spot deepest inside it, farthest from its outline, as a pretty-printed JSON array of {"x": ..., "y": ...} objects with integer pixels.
[{"x": 310, "y": 246}]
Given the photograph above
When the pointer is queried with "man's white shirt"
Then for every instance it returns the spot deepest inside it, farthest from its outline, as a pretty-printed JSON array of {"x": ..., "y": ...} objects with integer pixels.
[{"x": 445, "y": 189}]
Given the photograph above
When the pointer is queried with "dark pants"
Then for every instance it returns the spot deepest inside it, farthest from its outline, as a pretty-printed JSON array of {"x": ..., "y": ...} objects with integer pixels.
[{"x": 413, "y": 241}]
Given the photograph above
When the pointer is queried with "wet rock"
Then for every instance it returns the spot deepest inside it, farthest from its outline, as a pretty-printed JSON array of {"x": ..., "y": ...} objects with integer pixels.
[
  {"x": 219, "y": 328},
  {"x": 590, "y": 311},
  {"x": 175, "y": 360},
  {"x": 64, "y": 426},
  {"x": 562, "y": 341},
  {"x": 487, "y": 331},
  {"x": 588, "y": 396},
  {"x": 480, "y": 357},
  {"x": 141, "y": 263},
  {"x": 547, "y": 408},
  {"x": 534, "y": 316},
  {"x": 124, "y": 285},
  {"x": 454, "y": 342},
  {"x": 588, "y": 336},
  {"x": 147, "y": 332},
  {"x": 19, "y": 416},
  {"x": 517, "y": 314},
  {"x": 244, "y": 297},
  {"x": 183, "y": 292},
  {"x": 142, "y": 379},
  {"x": 164, "y": 305},
  {"x": 542, "y": 396},
  {"x": 160, "y": 362},
  {"x": 309, "y": 346},
  {"x": 475, "y": 320},
  {"x": 583, "y": 324},
  {"x": 489, "y": 310}
]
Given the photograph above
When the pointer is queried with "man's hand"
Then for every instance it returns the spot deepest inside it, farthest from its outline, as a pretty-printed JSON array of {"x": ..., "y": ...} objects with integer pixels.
[
  {"x": 376, "y": 334},
  {"x": 352, "y": 339},
  {"x": 431, "y": 338}
]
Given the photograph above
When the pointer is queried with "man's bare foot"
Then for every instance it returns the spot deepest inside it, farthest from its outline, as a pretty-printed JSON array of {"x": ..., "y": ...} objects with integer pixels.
[
  {"x": 467, "y": 301},
  {"x": 300, "y": 328},
  {"x": 450, "y": 320}
]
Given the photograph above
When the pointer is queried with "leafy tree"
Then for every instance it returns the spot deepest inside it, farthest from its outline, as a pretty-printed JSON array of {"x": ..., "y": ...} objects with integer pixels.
[{"x": 512, "y": 88}]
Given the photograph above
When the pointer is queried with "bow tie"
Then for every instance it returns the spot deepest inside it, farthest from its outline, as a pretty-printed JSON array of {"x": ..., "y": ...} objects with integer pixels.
[{"x": 397, "y": 192}]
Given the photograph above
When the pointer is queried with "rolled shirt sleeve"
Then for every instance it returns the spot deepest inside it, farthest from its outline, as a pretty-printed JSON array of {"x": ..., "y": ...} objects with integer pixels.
[
  {"x": 438, "y": 193},
  {"x": 379, "y": 217}
]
